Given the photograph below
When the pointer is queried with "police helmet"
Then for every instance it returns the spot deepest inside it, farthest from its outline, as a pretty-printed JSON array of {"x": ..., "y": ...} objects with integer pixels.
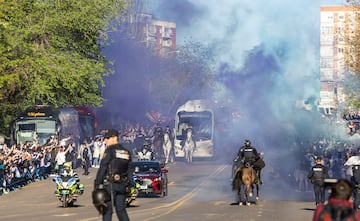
[
  {"x": 247, "y": 143},
  {"x": 100, "y": 197},
  {"x": 318, "y": 159},
  {"x": 67, "y": 166}
]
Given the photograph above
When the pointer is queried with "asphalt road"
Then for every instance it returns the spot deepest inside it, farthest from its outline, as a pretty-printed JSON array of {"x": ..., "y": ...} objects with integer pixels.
[{"x": 200, "y": 191}]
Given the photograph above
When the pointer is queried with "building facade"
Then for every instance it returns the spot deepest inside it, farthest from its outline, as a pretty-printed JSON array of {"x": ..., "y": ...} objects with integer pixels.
[
  {"x": 337, "y": 24},
  {"x": 157, "y": 35}
]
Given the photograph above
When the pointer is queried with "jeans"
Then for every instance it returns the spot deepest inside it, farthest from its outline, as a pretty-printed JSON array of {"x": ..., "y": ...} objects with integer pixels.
[
  {"x": 86, "y": 166},
  {"x": 96, "y": 161}
]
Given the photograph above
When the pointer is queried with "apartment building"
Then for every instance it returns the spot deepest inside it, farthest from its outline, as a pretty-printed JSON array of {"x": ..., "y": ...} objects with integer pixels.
[
  {"x": 157, "y": 35},
  {"x": 337, "y": 23}
]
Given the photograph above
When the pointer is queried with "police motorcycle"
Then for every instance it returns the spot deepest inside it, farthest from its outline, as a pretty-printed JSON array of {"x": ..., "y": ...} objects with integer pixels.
[
  {"x": 132, "y": 191},
  {"x": 68, "y": 189}
]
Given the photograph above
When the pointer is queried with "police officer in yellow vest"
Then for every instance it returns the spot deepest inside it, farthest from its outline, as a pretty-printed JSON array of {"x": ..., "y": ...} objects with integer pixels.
[{"x": 113, "y": 175}]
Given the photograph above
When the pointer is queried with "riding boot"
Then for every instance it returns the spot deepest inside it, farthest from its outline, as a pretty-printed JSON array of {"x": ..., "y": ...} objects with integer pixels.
[{"x": 259, "y": 177}]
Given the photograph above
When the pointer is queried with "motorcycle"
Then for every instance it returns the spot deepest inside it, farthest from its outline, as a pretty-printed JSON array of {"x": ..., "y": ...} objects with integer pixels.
[
  {"x": 68, "y": 189},
  {"x": 132, "y": 192}
]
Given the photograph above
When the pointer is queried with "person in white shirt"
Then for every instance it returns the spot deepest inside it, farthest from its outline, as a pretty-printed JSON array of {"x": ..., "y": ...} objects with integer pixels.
[
  {"x": 96, "y": 153},
  {"x": 60, "y": 158},
  {"x": 352, "y": 161}
]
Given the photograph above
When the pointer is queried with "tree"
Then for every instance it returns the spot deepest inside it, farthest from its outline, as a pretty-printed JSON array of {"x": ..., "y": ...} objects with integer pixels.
[
  {"x": 51, "y": 52},
  {"x": 352, "y": 58}
]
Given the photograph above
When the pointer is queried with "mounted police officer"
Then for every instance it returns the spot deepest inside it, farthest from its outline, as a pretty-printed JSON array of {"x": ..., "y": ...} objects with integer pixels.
[
  {"x": 317, "y": 174},
  {"x": 248, "y": 154},
  {"x": 114, "y": 175}
]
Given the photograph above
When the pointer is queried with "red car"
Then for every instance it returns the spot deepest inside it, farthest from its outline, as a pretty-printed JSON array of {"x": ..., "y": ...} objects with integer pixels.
[{"x": 151, "y": 176}]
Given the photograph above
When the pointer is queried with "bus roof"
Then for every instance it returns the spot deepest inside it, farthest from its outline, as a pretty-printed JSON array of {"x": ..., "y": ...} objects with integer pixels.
[
  {"x": 39, "y": 111},
  {"x": 195, "y": 106}
]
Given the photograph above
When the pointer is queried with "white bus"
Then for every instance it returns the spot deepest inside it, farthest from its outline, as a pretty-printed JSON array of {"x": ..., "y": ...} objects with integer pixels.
[{"x": 199, "y": 116}]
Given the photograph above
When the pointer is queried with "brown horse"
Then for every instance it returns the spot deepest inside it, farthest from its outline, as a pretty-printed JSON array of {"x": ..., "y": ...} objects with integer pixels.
[
  {"x": 245, "y": 176},
  {"x": 157, "y": 143}
]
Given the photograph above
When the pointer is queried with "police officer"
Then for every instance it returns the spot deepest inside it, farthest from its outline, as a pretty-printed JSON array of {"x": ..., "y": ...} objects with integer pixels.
[
  {"x": 68, "y": 171},
  {"x": 114, "y": 175},
  {"x": 249, "y": 155},
  {"x": 317, "y": 174}
]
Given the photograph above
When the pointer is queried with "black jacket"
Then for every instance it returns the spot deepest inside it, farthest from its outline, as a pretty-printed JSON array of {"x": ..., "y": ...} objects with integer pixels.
[
  {"x": 318, "y": 173},
  {"x": 117, "y": 159}
]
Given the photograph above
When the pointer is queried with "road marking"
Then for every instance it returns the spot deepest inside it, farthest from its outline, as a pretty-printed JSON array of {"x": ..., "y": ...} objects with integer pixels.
[
  {"x": 39, "y": 204},
  {"x": 218, "y": 203},
  {"x": 65, "y": 214},
  {"x": 178, "y": 203},
  {"x": 91, "y": 218}
]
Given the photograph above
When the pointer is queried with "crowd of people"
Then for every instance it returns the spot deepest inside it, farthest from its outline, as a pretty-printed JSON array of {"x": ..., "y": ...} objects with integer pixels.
[{"x": 21, "y": 164}]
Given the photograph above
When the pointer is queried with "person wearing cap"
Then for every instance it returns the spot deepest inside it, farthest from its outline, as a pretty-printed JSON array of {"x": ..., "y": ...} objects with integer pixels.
[
  {"x": 339, "y": 204},
  {"x": 114, "y": 175},
  {"x": 317, "y": 174}
]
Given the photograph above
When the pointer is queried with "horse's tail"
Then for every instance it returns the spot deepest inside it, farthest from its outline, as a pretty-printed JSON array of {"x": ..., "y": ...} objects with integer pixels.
[{"x": 236, "y": 182}]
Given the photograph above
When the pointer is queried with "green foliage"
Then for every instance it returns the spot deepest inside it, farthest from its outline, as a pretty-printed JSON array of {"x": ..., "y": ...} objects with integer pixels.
[
  {"x": 51, "y": 52},
  {"x": 352, "y": 61}
]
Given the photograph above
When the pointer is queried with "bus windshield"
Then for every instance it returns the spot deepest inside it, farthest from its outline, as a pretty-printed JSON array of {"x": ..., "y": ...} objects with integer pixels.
[{"x": 200, "y": 122}]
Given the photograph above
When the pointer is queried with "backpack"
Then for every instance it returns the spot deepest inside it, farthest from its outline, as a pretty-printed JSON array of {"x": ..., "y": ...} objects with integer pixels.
[{"x": 333, "y": 212}]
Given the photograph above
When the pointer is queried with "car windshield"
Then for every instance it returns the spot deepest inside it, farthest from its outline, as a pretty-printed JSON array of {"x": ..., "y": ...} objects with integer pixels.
[{"x": 146, "y": 168}]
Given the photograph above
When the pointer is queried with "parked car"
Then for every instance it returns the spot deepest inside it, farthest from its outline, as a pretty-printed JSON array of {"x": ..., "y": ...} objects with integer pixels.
[{"x": 152, "y": 177}]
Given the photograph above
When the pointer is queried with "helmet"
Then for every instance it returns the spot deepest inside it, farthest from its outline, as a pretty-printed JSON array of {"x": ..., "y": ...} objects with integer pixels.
[
  {"x": 247, "y": 143},
  {"x": 67, "y": 166},
  {"x": 100, "y": 197},
  {"x": 318, "y": 159}
]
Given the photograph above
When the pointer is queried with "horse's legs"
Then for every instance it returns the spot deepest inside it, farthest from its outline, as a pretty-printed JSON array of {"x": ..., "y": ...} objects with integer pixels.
[
  {"x": 166, "y": 154},
  {"x": 187, "y": 156},
  {"x": 172, "y": 155},
  {"x": 252, "y": 190},
  {"x": 191, "y": 156},
  {"x": 246, "y": 193},
  {"x": 239, "y": 195},
  {"x": 257, "y": 192}
]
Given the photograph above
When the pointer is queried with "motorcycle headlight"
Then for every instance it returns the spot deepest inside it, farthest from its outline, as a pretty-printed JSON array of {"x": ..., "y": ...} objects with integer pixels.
[{"x": 64, "y": 185}]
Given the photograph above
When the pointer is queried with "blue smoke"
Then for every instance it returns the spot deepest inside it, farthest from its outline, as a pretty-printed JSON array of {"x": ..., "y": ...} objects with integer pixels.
[
  {"x": 267, "y": 58},
  {"x": 268, "y": 53}
]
